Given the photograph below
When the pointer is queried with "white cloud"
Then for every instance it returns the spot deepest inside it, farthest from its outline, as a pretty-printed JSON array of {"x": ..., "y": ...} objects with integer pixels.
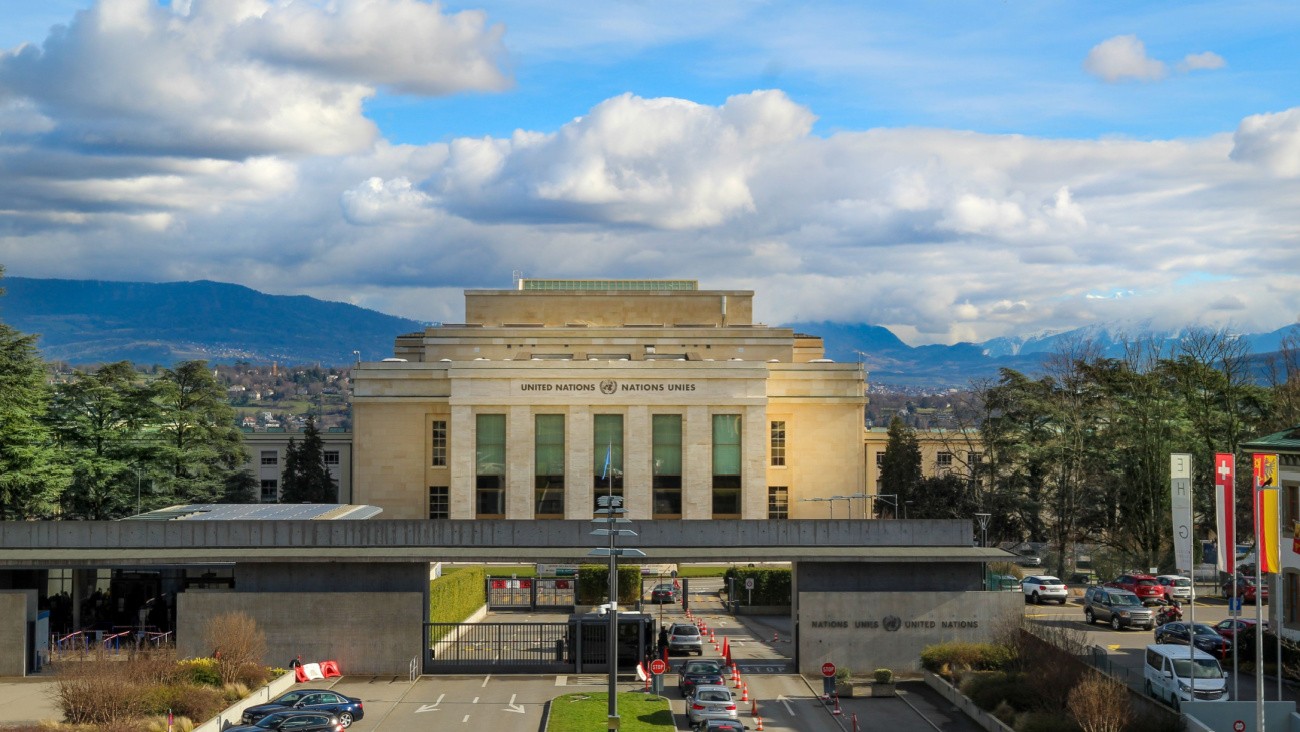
[
  {"x": 1201, "y": 61},
  {"x": 378, "y": 201},
  {"x": 1271, "y": 141},
  {"x": 1123, "y": 57}
]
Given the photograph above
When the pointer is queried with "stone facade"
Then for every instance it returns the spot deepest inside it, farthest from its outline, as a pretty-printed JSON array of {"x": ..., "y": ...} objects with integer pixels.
[{"x": 631, "y": 351}]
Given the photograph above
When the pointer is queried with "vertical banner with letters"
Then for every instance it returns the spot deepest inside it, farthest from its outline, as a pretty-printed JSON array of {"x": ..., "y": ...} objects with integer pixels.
[
  {"x": 1225, "y": 510},
  {"x": 1266, "y": 516},
  {"x": 1180, "y": 503}
]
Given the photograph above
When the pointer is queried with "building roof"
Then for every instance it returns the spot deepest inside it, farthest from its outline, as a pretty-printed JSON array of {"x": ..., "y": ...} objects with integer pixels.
[
  {"x": 259, "y": 512},
  {"x": 609, "y": 285},
  {"x": 1287, "y": 440}
]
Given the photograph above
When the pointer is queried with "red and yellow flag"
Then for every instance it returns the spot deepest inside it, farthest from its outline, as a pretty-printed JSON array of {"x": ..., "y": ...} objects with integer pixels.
[{"x": 1266, "y": 528}]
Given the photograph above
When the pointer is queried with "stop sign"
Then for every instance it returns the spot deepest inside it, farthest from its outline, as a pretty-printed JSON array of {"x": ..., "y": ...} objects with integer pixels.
[
  {"x": 828, "y": 669},
  {"x": 658, "y": 666}
]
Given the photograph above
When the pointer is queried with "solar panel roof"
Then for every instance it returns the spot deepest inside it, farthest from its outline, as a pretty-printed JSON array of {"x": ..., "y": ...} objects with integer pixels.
[{"x": 259, "y": 512}]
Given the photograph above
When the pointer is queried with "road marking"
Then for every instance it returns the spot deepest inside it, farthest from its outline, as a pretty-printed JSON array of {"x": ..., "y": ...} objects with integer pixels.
[
  {"x": 431, "y": 707},
  {"x": 561, "y": 680},
  {"x": 486, "y": 679},
  {"x": 475, "y": 701},
  {"x": 512, "y": 707},
  {"x": 465, "y": 719},
  {"x": 786, "y": 701}
]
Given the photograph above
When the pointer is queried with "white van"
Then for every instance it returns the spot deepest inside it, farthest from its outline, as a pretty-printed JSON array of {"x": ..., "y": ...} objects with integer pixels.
[{"x": 1172, "y": 671}]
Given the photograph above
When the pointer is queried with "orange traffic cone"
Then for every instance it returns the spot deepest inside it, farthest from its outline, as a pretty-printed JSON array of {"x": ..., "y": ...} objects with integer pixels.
[
  {"x": 753, "y": 710},
  {"x": 776, "y": 637},
  {"x": 760, "y": 724},
  {"x": 837, "y": 712},
  {"x": 744, "y": 692},
  {"x": 735, "y": 675}
]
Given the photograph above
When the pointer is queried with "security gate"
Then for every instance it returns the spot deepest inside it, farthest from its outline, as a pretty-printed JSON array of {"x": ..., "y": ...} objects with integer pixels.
[
  {"x": 531, "y": 593},
  {"x": 578, "y": 646}
]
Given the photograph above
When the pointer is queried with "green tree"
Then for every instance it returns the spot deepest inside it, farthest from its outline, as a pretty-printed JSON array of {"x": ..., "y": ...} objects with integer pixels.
[
  {"x": 100, "y": 419},
  {"x": 200, "y": 447},
  {"x": 900, "y": 466},
  {"x": 305, "y": 478}
]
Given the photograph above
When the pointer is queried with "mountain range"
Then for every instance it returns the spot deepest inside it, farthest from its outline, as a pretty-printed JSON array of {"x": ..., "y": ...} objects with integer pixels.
[{"x": 89, "y": 321}]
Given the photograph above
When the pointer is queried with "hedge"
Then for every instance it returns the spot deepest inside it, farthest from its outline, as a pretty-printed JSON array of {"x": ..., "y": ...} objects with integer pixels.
[
  {"x": 772, "y": 586},
  {"x": 593, "y": 584},
  {"x": 457, "y": 594}
]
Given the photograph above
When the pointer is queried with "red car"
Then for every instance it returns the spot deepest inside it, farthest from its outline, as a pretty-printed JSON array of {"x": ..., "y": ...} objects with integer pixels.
[
  {"x": 1245, "y": 590},
  {"x": 1146, "y": 587},
  {"x": 1240, "y": 631}
]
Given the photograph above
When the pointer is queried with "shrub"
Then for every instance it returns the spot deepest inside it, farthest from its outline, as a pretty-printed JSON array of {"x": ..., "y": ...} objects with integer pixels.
[
  {"x": 201, "y": 671},
  {"x": 105, "y": 692},
  {"x": 195, "y": 702},
  {"x": 1045, "y": 722},
  {"x": 251, "y": 676},
  {"x": 882, "y": 675},
  {"x": 236, "y": 641},
  {"x": 952, "y": 658},
  {"x": 991, "y": 689},
  {"x": 1100, "y": 704}
]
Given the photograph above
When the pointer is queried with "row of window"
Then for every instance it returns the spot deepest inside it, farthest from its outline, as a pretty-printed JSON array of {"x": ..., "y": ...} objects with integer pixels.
[
  {"x": 942, "y": 461},
  {"x": 272, "y": 457},
  {"x": 778, "y": 503}
]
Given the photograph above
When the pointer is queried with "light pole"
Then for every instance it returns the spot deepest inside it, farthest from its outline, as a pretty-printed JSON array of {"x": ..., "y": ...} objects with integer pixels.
[
  {"x": 983, "y": 519},
  {"x": 889, "y": 499},
  {"x": 612, "y": 508}
]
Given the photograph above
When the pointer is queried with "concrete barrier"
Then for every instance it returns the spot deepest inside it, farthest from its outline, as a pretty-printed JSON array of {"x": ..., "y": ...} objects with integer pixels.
[{"x": 957, "y": 699}]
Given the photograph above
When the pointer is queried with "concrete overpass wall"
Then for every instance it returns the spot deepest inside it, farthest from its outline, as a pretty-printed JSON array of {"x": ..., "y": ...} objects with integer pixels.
[{"x": 17, "y": 608}]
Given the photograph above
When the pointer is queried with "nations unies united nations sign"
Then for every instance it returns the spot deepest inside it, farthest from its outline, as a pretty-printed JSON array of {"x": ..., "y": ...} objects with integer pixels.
[{"x": 607, "y": 387}]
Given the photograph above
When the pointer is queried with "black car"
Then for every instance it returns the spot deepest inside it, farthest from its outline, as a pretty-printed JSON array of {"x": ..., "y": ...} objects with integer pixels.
[
  {"x": 1207, "y": 638},
  {"x": 702, "y": 672},
  {"x": 347, "y": 709},
  {"x": 664, "y": 593},
  {"x": 721, "y": 725},
  {"x": 297, "y": 721}
]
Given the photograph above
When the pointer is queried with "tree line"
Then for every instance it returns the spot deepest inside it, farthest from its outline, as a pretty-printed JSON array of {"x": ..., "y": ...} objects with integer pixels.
[
  {"x": 1082, "y": 452},
  {"x": 112, "y": 441}
]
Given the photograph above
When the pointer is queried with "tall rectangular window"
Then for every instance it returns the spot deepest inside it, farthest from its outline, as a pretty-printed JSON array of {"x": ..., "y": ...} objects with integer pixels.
[
  {"x": 943, "y": 462},
  {"x": 726, "y": 466},
  {"x": 548, "y": 473},
  {"x": 490, "y": 466},
  {"x": 270, "y": 457},
  {"x": 331, "y": 457},
  {"x": 666, "y": 472},
  {"x": 439, "y": 502},
  {"x": 438, "y": 448},
  {"x": 778, "y": 444},
  {"x": 778, "y": 502},
  {"x": 607, "y": 456},
  {"x": 270, "y": 490},
  {"x": 880, "y": 459}
]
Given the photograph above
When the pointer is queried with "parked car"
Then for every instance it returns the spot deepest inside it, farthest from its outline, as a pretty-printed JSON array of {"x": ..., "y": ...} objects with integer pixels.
[
  {"x": 685, "y": 638},
  {"x": 1205, "y": 638},
  {"x": 1176, "y": 587},
  {"x": 1041, "y": 587},
  {"x": 1143, "y": 585},
  {"x": 1240, "y": 631},
  {"x": 295, "y": 721},
  {"x": 1246, "y": 590},
  {"x": 710, "y": 702},
  {"x": 665, "y": 593},
  {"x": 347, "y": 709},
  {"x": 721, "y": 725},
  {"x": 1028, "y": 559},
  {"x": 704, "y": 672},
  {"x": 1120, "y": 608}
]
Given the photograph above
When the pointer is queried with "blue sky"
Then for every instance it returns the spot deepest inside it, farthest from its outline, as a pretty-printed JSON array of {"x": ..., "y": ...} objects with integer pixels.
[{"x": 951, "y": 170}]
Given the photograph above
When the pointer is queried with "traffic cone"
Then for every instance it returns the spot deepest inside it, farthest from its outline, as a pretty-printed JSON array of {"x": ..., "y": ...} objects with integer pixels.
[
  {"x": 837, "y": 712},
  {"x": 744, "y": 692},
  {"x": 776, "y": 637},
  {"x": 713, "y": 638},
  {"x": 753, "y": 709},
  {"x": 760, "y": 724},
  {"x": 735, "y": 675}
]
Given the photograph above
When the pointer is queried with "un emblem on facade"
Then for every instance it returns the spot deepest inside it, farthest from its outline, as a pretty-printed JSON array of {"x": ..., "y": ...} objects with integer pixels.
[
  {"x": 608, "y": 386},
  {"x": 892, "y": 623}
]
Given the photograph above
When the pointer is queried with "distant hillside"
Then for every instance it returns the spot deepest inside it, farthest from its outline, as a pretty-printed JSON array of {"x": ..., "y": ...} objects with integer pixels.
[{"x": 89, "y": 321}]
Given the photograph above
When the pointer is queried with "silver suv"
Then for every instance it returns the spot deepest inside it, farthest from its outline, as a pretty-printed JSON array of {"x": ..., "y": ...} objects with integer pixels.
[{"x": 1120, "y": 608}]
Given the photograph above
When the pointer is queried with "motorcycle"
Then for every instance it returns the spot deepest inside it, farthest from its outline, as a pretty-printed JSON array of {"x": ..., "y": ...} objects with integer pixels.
[{"x": 1170, "y": 613}]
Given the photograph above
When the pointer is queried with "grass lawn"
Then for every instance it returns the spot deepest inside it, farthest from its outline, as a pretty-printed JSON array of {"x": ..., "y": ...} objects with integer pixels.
[
  {"x": 586, "y": 712},
  {"x": 701, "y": 570}
]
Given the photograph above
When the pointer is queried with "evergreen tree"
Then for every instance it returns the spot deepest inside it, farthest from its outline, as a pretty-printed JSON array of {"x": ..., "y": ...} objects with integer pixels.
[
  {"x": 310, "y": 479},
  {"x": 31, "y": 477},
  {"x": 200, "y": 446},
  {"x": 99, "y": 419},
  {"x": 900, "y": 469}
]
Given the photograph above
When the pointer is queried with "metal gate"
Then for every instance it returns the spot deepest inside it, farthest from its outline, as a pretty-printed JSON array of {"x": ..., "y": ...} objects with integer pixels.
[
  {"x": 532, "y": 593},
  {"x": 577, "y": 646}
]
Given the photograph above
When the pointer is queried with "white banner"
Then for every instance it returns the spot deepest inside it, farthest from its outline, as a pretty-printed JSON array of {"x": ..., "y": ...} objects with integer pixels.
[{"x": 1180, "y": 503}]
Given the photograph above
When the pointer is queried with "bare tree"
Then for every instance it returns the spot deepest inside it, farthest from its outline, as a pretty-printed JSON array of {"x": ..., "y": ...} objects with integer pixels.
[
  {"x": 236, "y": 642},
  {"x": 1100, "y": 704}
]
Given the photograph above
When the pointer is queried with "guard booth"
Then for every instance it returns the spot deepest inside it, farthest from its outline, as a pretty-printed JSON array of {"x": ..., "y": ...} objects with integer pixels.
[{"x": 588, "y": 641}]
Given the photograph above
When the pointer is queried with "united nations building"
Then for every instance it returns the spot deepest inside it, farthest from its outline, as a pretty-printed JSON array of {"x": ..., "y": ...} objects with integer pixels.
[{"x": 559, "y": 391}]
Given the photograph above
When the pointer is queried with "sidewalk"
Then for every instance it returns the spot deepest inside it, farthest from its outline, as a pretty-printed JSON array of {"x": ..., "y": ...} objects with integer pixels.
[{"x": 27, "y": 700}]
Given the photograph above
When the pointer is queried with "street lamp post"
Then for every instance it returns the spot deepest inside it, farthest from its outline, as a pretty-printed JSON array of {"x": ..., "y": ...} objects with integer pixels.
[
  {"x": 612, "y": 508},
  {"x": 983, "y": 519}
]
